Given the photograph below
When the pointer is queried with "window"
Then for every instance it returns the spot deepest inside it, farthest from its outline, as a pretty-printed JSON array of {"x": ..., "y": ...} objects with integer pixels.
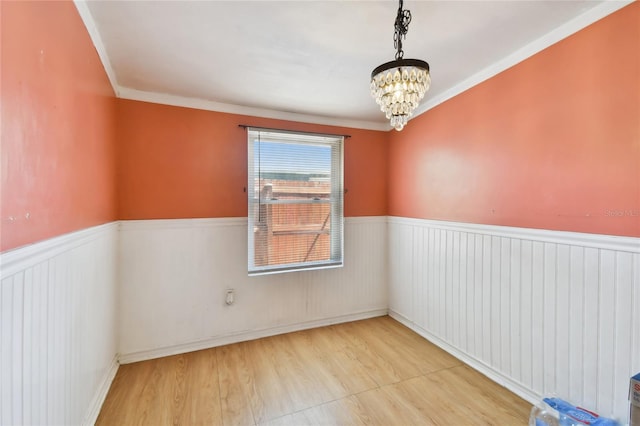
[{"x": 295, "y": 201}]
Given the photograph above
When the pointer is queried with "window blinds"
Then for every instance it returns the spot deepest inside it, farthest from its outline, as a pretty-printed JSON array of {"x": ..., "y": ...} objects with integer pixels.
[{"x": 295, "y": 199}]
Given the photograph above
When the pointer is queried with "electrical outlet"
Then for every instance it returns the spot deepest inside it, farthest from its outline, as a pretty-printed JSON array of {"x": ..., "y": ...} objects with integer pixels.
[{"x": 229, "y": 296}]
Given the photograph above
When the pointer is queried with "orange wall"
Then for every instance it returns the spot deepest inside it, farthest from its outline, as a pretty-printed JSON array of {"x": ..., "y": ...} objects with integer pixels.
[
  {"x": 185, "y": 163},
  {"x": 57, "y": 125},
  {"x": 553, "y": 142}
]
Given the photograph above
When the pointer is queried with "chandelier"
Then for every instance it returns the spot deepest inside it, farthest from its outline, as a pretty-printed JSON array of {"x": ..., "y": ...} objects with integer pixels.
[{"x": 398, "y": 86}]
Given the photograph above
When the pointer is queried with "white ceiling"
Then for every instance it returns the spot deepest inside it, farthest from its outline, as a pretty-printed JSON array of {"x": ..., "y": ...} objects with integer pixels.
[{"x": 311, "y": 60}]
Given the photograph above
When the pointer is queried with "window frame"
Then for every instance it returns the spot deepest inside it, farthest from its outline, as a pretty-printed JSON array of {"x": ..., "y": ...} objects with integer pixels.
[{"x": 336, "y": 198}]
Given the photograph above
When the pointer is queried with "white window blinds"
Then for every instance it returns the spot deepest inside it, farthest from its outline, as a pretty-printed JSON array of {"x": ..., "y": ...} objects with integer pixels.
[{"x": 295, "y": 192}]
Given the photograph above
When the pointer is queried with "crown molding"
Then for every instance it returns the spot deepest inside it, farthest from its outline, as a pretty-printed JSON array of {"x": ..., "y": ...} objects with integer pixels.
[
  {"x": 94, "y": 34},
  {"x": 570, "y": 27},
  {"x": 203, "y": 104}
]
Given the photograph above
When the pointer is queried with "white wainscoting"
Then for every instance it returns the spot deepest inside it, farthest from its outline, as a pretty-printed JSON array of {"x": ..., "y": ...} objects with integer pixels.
[
  {"x": 58, "y": 328},
  {"x": 174, "y": 274},
  {"x": 541, "y": 312}
]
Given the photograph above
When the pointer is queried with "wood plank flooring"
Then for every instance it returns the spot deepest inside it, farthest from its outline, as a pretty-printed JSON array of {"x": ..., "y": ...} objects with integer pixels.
[{"x": 370, "y": 372}]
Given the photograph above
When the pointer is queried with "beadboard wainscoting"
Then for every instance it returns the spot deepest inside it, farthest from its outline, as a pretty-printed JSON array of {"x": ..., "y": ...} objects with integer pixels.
[
  {"x": 541, "y": 312},
  {"x": 58, "y": 328},
  {"x": 174, "y": 275}
]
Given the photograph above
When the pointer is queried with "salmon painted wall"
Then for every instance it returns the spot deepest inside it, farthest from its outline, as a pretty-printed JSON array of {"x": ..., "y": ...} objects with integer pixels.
[
  {"x": 176, "y": 162},
  {"x": 551, "y": 143},
  {"x": 57, "y": 125}
]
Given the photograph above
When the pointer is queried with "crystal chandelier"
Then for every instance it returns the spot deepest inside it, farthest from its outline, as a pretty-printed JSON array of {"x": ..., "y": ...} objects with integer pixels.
[{"x": 398, "y": 86}]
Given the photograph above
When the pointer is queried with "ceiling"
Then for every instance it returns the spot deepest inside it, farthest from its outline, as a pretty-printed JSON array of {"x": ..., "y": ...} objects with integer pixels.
[{"x": 311, "y": 60}]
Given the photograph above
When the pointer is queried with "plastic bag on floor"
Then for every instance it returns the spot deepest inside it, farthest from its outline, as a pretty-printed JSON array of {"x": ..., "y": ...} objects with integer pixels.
[{"x": 557, "y": 412}]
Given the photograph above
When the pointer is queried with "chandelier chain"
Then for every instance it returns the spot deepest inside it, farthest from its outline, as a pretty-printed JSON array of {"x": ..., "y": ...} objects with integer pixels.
[
  {"x": 399, "y": 86},
  {"x": 403, "y": 19}
]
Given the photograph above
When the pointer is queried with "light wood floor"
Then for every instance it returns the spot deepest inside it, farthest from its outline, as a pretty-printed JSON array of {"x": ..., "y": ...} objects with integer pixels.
[{"x": 373, "y": 371}]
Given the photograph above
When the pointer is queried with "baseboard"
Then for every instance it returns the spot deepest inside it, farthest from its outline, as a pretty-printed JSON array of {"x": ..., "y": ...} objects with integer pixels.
[
  {"x": 96, "y": 403},
  {"x": 523, "y": 392},
  {"x": 245, "y": 336}
]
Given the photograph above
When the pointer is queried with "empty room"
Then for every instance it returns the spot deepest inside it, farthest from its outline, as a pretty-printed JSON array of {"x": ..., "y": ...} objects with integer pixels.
[{"x": 319, "y": 212}]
